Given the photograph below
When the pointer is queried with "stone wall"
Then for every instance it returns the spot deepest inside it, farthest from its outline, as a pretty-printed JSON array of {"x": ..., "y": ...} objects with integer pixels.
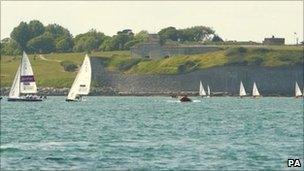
[
  {"x": 154, "y": 50},
  {"x": 270, "y": 81}
]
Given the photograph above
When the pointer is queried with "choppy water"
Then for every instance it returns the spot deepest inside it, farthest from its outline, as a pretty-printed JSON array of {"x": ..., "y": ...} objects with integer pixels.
[{"x": 151, "y": 133}]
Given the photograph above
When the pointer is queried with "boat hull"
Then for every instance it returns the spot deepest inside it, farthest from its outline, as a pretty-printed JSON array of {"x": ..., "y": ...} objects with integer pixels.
[
  {"x": 185, "y": 99},
  {"x": 24, "y": 99},
  {"x": 70, "y": 100}
]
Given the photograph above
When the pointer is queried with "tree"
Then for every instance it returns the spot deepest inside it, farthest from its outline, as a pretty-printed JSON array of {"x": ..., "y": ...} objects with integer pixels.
[
  {"x": 10, "y": 47},
  {"x": 88, "y": 41},
  {"x": 21, "y": 34},
  {"x": 63, "y": 39},
  {"x": 64, "y": 44},
  {"x": 119, "y": 42},
  {"x": 142, "y": 36},
  {"x": 196, "y": 33},
  {"x": 57, "y": 31},
  {"x": 106, "y": 44},
  {"x": 168, "y": 33},
  {"x": 42, "y": 44},
  {"x": 35, "y": 28},
  {"x": 217, "y": 38}
]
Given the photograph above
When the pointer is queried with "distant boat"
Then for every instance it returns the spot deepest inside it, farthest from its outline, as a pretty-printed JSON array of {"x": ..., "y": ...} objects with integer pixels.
[
  {"x": 255, "y": 91},
  {"x": 201, "y": 92},
  {"x": 24, "y": 86},
  {"x": 242, "y": 90},
  {"x": 208, "y": 91},
  {"x": 298, "y": 92},
  {"x": 185, "y": 99},
  {"x": 82, "y": 82}
]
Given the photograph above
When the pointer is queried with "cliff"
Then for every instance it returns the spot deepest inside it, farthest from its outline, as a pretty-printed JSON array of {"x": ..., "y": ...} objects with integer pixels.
[{"x": 270, "y": 80}]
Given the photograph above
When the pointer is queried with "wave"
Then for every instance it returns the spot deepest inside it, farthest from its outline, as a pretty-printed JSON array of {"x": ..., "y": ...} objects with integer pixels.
[{"x": 11, "y": 147}]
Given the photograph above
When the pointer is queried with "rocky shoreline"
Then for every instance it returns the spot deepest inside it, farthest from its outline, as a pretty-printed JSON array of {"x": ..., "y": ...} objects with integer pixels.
[{"x": 106, "y": 91}]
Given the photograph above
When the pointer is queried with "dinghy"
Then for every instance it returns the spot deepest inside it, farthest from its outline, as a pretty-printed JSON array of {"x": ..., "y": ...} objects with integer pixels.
[
  {"x": 82, "y": 82},
  {"x": 185, "y": 98},
  {"x": 208, "y": 91},
  {"x": 201, "y": 92},
  {"x": 255, "y": 91},
  {"x": 298, "y": 92},
  {"x": 24, "y": 86},
  {"x": 242, "y": 90}
]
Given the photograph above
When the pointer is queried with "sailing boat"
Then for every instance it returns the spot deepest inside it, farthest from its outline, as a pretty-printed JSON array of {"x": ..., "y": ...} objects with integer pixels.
[
  {"x": 24, "y": 86},
  {"x": 201, "y": 92},
  {"x": 298, "y": 92},
  {"x": 255, "y": 91},
  {"x": 208, "y": 91},
  {"x": 82, "y": 82},
  {"x": 242, "y": 90}
]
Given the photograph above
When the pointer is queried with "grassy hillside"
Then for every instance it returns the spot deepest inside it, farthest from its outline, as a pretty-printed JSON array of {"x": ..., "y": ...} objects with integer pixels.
[
  {"x": 50, "y": 72},
  {"x": 48, "y": 69},
  {"x": 268, "y": 57}
]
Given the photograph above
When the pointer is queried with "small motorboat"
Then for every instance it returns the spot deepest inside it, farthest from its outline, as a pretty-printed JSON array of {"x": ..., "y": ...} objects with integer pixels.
[{"x": 185, "y": 99}]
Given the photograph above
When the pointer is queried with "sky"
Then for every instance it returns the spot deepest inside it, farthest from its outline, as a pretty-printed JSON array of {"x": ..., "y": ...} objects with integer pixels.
[{"x": 232, "y": 20}]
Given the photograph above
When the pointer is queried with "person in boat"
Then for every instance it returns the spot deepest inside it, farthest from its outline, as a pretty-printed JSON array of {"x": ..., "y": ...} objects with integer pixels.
[{"x": 185, "y": 98}]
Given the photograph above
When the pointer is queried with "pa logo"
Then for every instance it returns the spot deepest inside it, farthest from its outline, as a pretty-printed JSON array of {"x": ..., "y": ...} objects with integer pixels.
[{"x": 293, "y": 163}]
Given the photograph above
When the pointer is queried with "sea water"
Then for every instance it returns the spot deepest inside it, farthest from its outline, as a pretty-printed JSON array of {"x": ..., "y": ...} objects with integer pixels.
[{"x": 151, "y": 133}]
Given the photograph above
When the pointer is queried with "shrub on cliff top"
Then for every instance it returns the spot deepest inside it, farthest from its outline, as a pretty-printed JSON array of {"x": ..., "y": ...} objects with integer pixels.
[
  {"x": 187, "y": 67},
  {"x": 68, "y": 66},
  {"x": 127, "y": 64}
]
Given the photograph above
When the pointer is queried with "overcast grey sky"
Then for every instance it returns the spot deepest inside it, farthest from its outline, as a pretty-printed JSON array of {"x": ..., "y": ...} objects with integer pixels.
[{"x": 232, "y": 20}]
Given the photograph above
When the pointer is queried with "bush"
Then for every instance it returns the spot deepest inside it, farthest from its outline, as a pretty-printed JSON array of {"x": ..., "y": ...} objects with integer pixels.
[
  {"x": 128, "y": 64},
  {"x": 242, "y": 50},
  {"x": 68, "y": 66},
  {"x": 187, "y": 67},
  {"x": 261, "y": 50}
]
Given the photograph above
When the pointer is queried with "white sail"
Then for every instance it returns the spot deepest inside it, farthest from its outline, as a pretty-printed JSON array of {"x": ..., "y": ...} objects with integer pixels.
[
  {"x": 82, "y": 82},
  {"x": 15, "y": 89},
  {"x": 201, "y": 90},
  {"x": 255, "y": 91},
  {"x": 298, "y": 92},
  {"x": 242, "y": 90},
  {"x": 208, "y": 91},
  {"x": 27, "y": 79}
]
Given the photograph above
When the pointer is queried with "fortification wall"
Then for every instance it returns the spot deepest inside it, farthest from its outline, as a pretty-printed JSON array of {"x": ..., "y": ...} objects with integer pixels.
[
  {"x": 155, "y": 51},
  {"x": 270, "y": 80},
  {"x": 176, "y": 50}
]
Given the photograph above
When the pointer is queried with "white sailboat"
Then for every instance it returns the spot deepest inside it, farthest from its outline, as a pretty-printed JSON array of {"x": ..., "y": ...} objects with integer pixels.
[
  {"x": 82, "y": 82},
  {"x": 255, "y": 91},
  {"x": 298, "y": 92},
  {"x": 208, "y": 91},
  {"x": 242, "y": 90},
  {"x": 24, "y": 86},
  {"x": 202, "y": 92}
]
